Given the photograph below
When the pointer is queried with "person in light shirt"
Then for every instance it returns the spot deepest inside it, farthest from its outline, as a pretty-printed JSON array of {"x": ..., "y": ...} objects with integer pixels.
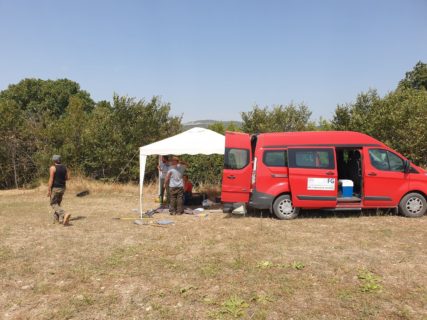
[{"x": 176, "y": 186}]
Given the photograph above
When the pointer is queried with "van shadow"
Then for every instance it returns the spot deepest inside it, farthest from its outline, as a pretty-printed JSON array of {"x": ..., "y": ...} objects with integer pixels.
[
  {"x": 318, "y": 214},
  {"x": 324, "y": 214}
]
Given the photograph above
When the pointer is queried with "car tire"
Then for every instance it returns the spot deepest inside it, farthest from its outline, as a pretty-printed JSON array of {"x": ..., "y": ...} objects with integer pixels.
[
  {"x": 413, "y": 205},
  {"x": 283, "y": 208}
]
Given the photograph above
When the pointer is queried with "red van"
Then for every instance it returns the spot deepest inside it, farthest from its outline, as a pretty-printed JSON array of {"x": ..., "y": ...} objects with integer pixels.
[{"x": 289, "y": 171}]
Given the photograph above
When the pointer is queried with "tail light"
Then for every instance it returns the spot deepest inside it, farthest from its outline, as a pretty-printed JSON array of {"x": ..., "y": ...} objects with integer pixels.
[{"x": 253, "y": 180}]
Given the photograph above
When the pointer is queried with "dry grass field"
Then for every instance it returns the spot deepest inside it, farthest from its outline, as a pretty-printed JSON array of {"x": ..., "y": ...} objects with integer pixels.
[{"x": 319, "y": 266}]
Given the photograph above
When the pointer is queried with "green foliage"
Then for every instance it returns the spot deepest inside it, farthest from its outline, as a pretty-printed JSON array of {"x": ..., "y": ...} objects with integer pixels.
[
  {"x": 115, "y": 132},
  {"x": 297, "y": 265},
  {"x": 369, "y": 282},
  {"x": 416, "y": 78},
  {"x": 11, "y": 119},
  {"x": 234, "y": 306},
  {"x": 40, "y": 118},
  {"x": 206, "y": 169},
  {"x": 37, "y": 97},
  {"x": 221, "y": 128},
  {"x": 265, "y": 264},
  {"x": 357, "y": 116},
  {"x": 399, "y": 119},
  {"x": 324, "y": 125},
  {"x": 277, "y": 119},
  {"x": 40, "y": 108}
]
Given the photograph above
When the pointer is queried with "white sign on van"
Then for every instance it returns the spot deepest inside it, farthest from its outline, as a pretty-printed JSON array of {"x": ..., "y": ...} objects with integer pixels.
[{"x": 326, "y": 184}]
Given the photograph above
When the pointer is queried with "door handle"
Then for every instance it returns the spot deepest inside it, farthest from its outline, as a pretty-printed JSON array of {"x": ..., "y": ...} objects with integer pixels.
[
  {"x": 231, "y": 177},
  {"x": 330, "y": 173},
  {"x": 372, "y": 174}
]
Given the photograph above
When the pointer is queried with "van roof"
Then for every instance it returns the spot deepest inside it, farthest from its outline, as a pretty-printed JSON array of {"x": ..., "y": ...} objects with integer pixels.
[{"x": 317, "y": 138}]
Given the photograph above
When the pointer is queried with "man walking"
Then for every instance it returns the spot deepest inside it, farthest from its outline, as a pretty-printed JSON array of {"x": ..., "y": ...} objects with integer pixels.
[
  {"x": 176, "y": 186},
  {"x": 56, "y": 188}
]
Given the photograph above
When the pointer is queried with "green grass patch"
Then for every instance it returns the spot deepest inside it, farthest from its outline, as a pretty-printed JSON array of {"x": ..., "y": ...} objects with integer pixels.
[{"x": 369, "y": 282}]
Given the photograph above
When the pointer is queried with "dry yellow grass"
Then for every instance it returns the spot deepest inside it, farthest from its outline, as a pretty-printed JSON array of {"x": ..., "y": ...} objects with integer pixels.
[{"x": 214, "y": 267}]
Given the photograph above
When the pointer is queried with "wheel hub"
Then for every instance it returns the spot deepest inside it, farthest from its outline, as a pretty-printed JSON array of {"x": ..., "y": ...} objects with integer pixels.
[
  {"x": 414, "y": 205},
  {"x": 285, "y": 207}
]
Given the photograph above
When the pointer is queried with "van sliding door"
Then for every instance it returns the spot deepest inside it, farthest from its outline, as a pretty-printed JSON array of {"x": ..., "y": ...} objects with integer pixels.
[{"x": 313, "y": 177}]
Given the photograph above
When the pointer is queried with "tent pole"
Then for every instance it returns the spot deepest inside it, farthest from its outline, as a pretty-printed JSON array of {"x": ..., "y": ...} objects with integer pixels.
[
  {"x": 160, "y": 187},
  {"x": 142, "y": 161}
]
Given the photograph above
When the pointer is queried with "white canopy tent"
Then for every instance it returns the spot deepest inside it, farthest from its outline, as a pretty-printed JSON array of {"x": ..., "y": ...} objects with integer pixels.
[{"x": 193, "y": 141}]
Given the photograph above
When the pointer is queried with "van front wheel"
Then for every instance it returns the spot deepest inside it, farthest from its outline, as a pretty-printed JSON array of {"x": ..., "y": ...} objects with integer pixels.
[
  {"x": 413, "y": 205},
  {"x": 283, "y": 208}
]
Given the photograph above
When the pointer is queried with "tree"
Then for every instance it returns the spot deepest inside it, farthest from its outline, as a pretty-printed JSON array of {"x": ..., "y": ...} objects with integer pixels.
[
  {"x": 342, "y": 118},
  {"x": 221, "y": 127},
  {"x": 416, "y": 78},
  {"x": 11, "y": 140},
  {"x": 399, "y": 119},
  {"x": 115, "y": 133},
  {"x": 39, "y": 107},
  {"x": 324, "y": 125},
  {"x": 278, "y": 119},
  {"x": 357, "y": 116},
  {"x": 39, "y": 118},
  {"x": 208, "y": 168}
]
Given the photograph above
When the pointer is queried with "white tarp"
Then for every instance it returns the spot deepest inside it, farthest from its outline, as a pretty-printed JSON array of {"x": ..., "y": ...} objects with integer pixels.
[{"x": 193, "y": 141}]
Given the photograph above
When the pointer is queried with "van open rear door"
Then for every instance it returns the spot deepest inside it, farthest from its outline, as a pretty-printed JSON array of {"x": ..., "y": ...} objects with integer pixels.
[
  {"x": 313, "y": 177},
  {"x": 236, "y": 178}
]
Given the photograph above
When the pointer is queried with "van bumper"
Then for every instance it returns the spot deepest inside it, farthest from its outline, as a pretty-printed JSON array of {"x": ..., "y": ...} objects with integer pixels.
[{"x": 260, "y": 200}]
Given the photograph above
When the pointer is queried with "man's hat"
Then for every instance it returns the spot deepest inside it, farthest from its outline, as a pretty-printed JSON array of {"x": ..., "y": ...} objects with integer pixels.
[
  {"x": 56, "y": 157},
  {"x": 175, "y": 158}
]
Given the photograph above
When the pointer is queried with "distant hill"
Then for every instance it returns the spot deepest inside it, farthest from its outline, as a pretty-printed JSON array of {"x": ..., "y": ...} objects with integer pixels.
[{"x": 207, "y": 123}]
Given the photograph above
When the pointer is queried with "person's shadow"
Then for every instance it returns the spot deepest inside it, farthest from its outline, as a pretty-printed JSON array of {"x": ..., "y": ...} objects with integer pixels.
[{"x": 77, "y": 218}]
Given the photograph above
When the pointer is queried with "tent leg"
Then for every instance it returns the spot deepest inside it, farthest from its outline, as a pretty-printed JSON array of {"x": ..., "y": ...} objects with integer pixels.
[{"x": 142, "y": 162}]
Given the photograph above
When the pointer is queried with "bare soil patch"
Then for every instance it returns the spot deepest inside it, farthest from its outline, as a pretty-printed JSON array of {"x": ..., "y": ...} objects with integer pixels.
[{"x": 211, "y": 267}]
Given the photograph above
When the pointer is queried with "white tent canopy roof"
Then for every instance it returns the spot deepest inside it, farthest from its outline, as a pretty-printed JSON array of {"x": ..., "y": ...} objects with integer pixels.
[{"x": 193, "y": 141}]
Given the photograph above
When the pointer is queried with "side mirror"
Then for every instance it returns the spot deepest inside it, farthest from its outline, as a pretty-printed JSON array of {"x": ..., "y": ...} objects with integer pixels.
[{"x": 406, "y": 166}]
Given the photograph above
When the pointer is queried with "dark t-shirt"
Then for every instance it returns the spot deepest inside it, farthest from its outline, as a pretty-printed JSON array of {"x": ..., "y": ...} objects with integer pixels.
[{"x": 60, "y": 176}]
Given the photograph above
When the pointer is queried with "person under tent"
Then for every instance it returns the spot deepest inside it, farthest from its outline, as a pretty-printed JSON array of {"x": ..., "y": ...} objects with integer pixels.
[{"x": 188, "y": 190}]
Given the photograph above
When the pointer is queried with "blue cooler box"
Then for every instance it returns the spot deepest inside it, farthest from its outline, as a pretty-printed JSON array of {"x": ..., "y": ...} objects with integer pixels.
[{"x": 346, "y": 187}]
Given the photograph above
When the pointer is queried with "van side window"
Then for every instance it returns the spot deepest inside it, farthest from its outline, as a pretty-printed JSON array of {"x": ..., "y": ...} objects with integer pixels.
[
  {"x": 385, "y": 160},
  {"x": 236, "y": 158},
  {"x": 311, "y": 158},
  {"x": 275, "y": 158}
]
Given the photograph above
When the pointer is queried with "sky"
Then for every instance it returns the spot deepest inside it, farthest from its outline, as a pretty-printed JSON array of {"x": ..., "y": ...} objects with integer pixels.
[{"x": 213, "y": 59}]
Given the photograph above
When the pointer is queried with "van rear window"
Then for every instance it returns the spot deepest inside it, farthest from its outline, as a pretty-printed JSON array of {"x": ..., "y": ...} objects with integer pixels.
[
  {"x": 311, "y": 158},
  {"x": 236, "y": 159},
  {"x": 275, "y": 158}
]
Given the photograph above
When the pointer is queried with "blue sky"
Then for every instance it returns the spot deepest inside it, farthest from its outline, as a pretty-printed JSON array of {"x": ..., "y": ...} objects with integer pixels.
[{"x": 215, "y": 59}]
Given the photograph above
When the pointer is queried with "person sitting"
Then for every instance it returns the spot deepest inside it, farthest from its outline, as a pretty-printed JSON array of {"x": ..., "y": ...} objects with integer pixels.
[
  {"x": 188, "y": 190},
  {"x": 355, "y": 169}
]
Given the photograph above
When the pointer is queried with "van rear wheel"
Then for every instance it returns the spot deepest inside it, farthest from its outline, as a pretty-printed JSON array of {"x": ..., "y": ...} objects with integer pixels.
[
  {"x": 413, "y": 205},
  {"x": 283, "y": 208}
]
